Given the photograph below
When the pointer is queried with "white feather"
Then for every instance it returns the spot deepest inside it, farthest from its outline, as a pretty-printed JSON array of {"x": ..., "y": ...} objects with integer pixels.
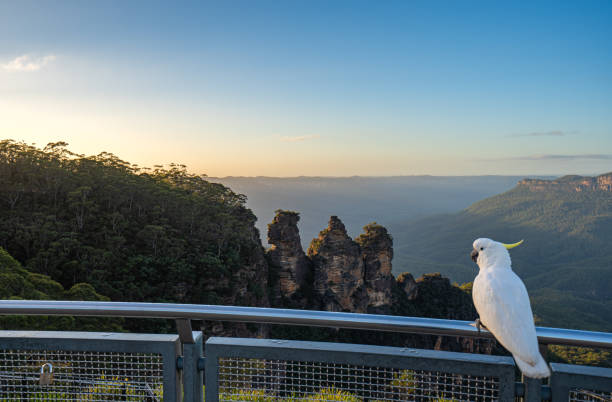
[{"x": 503, "y": 305}]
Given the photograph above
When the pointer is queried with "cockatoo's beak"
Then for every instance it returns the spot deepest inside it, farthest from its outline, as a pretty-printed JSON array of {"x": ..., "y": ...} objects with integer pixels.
[
  {"x": 509, "y": 246},
  {"x": 474, "y": 255}
]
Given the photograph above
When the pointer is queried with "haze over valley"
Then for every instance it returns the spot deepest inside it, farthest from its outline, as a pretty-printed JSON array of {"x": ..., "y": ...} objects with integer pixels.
[
  {"x": 565, "y": 222},
  {"x": 389, "y": 201}
]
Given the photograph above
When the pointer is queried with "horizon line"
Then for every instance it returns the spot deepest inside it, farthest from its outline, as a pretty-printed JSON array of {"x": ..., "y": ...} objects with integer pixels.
[{"x": 387, "y": 176}]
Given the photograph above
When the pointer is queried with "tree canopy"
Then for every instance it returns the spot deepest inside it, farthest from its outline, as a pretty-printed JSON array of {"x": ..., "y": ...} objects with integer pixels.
[
  {"x": 134, "y": 234},
  {"x": 18, "y": 283}
]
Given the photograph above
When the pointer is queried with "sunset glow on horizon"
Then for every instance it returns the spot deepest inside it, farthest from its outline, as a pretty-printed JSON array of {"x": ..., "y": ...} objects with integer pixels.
[{"x": 317, "y": 88}]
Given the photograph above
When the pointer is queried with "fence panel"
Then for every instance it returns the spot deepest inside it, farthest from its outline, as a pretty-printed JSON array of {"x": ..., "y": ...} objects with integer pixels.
[
  {"x": 269, "y": 370},
  {"x": 88, "y": 366},
  {"x": 580, "y": 383}
]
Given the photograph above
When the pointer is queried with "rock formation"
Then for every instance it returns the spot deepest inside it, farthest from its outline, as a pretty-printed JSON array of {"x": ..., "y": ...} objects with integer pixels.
[
  {"x": 290, "y": 269},
  {"x": 339, "y": 273},
  {"x": 408, "y": 285},
  {"x": 437, "y": 297},
  {"x": 342, "y": 274},
  {"x": 377, "y": 252},
  {"x": 338, "y": 269}
]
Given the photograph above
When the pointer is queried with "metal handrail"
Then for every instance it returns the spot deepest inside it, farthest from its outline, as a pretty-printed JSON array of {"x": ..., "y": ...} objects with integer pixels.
[{"x": 375, "y": 322}]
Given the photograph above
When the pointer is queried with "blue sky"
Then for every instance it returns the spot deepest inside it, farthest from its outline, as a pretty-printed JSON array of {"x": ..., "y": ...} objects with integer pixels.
[{"x": 331, "y": 88}]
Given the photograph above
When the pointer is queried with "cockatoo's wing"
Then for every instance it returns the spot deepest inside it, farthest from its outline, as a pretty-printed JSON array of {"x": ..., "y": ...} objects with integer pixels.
[{"x": 503, "y": 305}]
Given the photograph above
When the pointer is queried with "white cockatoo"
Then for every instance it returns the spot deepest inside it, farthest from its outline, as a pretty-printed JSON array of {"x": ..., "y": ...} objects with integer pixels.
[{"x": 502, "y": 302}]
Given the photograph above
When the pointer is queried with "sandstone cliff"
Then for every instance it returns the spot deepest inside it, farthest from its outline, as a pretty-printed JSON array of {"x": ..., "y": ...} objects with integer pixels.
[
  {"x": 570, "y": 183},
  {"x": 377, "y": 252},
  {"x": 408, "y": 285},
  {"x": 339, "y": 273},
  {"x": 342, "y": 274},
  {"x": 436, "y": 296},
  {"x": 290, "y": 269},
  {"x": 339, "y": 270}
]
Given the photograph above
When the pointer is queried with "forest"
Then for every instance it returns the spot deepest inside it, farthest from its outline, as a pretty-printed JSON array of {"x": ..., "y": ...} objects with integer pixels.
[{"x": 129, "y": 233}]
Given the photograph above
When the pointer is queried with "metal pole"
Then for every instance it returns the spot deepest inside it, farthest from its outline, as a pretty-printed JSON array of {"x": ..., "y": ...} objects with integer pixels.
[{"x": 193, "y": 378}]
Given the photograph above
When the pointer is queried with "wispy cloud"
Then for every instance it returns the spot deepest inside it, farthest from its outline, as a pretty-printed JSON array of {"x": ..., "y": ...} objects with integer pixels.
[
  {"x": 28, "y": 63},
  {"x": 553, "y": 133},
  {"x": 299, "y": 138},
  {"x": 564, "y": 157}
]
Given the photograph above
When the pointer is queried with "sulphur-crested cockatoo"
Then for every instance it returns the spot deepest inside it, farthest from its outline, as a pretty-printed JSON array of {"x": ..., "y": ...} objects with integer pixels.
[{"x": 502, "y": 302}]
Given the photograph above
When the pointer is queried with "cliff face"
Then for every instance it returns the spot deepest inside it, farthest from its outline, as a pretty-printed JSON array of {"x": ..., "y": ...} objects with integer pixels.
[
  {"x": 290, "y": 269},
  {"x": 570, "y": 183},
  {"x": 250, "y": 283},
  {"x": 377, "y": 252},
  {"x": 436, "y": 296},
  {"x": 247, "y": 286},
  {"x": 342, "y": 274},
  {"x": 339, "y": 273},
  {"x": 339, "y": 270},
  {"x": 408, "y": 285}
]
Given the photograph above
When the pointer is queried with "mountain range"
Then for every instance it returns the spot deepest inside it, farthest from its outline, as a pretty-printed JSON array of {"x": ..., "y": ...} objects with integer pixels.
[{"x": 565, "y": 261}]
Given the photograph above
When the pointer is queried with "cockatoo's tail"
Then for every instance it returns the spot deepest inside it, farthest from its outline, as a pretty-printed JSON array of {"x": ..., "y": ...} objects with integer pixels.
[{"x": 501, "y": 299}]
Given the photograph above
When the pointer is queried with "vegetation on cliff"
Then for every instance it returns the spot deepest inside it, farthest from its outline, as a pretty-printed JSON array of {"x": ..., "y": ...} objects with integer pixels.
[
  {"x": 18, "y": 283},
  {"x": 134, "y": 234}
]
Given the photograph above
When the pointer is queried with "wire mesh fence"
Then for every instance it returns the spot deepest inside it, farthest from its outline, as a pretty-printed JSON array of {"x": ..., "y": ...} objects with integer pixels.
[
  {"x": 298, "y": 371},
  {"x": 587, "y": 395},
  {"x": 292, "y": 380},
  {"x": 578, "y": 383},
  {"x": 80, "y": 376}
]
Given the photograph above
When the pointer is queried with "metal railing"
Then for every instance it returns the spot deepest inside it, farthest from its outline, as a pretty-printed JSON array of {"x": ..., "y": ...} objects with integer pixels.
[
  {"x": 267, "y": 370},
  {"x": 375, "y": 322}
]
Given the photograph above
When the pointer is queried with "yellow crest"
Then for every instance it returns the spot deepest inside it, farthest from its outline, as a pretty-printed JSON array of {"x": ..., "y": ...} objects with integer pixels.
[{"x": 509, "y": 246}]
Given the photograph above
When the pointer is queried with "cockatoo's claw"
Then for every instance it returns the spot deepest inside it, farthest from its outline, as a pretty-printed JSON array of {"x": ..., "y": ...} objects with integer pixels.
[{"x": 479, "y": 324}]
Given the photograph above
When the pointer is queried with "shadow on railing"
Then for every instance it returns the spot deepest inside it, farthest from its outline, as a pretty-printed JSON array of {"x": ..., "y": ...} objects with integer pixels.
[{"x": 137, "y": 367}]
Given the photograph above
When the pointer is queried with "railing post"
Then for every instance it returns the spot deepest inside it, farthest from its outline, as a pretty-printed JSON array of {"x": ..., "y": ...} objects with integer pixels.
[
  {"x": 533, "y": 389},
  {"x": 183, "y": 327},
  {"x": 193, "y": 378},
  {"x": 211, "y": 374}
]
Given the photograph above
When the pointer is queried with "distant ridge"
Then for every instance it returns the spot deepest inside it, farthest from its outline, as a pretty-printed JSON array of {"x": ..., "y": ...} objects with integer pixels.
[
  {"x": 571, "y": 182},
  {"x": 360, "y": 200},
  {"x": 566, "y": 261}
]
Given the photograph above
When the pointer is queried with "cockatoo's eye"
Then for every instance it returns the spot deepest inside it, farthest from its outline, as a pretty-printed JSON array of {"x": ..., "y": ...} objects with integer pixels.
[{"x": 481, "y": 248}]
